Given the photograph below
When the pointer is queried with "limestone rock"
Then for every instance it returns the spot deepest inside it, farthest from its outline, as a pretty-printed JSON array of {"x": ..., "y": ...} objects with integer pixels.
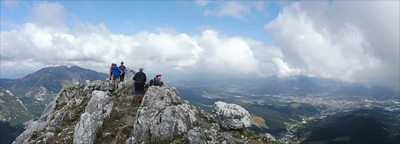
[
  {"x": 162, "y": 115},
  {"x": 231, "y": 116},
  {"x": 99, "y": 108}
]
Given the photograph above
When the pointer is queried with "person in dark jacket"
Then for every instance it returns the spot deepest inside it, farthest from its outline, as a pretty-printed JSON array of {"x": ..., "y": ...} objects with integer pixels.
[
  {"x": 123, "y": 69},
  {"x": 111, "y": 75},
  {"x": 156, "y": 81},
  {"x": 140, "y": 79}
]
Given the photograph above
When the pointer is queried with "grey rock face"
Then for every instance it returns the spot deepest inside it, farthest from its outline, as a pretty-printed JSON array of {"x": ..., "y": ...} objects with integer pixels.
[
  {"x": 195, "y": 137},
  {"x": 162, "y": 115},
  {"x": 66, "y": 108},
  {"x": 231, "y": 116},
  {"x": 47, "y": 120},
  {"x": 269, "y": 138},
  {"x": 99, "y": 108},
  {"x": 30, "y": 126},
  {"x": 98, "y": 85}
]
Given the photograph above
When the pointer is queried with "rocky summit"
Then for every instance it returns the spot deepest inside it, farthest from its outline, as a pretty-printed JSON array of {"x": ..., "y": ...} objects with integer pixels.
[{"x": 94, "y": 112}]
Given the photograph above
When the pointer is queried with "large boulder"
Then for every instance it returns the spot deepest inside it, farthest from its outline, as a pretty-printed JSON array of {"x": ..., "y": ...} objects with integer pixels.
[
  {"x": 98, "y": 109},
  {"x": 162, "y": 115},
  {"x": 231, "y": 116}
]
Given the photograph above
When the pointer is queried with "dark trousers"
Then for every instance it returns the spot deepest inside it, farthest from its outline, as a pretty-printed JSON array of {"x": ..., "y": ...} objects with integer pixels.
[{"x": 121, "y": 77}]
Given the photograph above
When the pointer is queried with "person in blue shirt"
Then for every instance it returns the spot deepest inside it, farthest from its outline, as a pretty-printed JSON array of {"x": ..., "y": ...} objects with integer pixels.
[
  {"x": 116, "y": 72},
  {"x": 123, "y": 69}
]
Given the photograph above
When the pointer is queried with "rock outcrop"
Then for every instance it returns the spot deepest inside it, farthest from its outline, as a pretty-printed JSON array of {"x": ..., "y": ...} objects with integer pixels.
[
  {"x": 94, "y": 112},
  {"x": 75, "y": 113},
  {"x": 231, "y": 116},
  {"x": 164, "y": 116},
  {"x": 98, "y": 109}
]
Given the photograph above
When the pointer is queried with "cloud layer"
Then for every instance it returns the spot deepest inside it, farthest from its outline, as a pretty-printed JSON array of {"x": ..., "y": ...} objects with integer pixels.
[
  {"x": 47, "y": 41},
  {"x": 349, "y": 41}
]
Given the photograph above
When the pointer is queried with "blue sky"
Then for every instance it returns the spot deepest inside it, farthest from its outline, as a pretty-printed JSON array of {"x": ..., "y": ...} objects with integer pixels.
[
  {"x": 130, "y": 17},
  {"x": 350, "y": 41}
]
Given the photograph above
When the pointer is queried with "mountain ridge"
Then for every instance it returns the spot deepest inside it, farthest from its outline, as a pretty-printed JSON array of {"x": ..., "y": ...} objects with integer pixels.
[
  {"x": 38, "y": 89},
  {"x": 90, "y": 113}
]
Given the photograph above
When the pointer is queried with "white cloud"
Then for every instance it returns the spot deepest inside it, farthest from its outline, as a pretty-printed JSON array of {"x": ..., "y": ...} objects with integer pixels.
[
  {"x": 233, "y": 9},
  {"x": 349, "y": 41},
  {"x": 50, "y": 15},
  {"x": 283, "y": 68},
  {"x": 241, "y": 10},
  {"x": 202, "y": 2},
  {"x": 96, "y": 48}
]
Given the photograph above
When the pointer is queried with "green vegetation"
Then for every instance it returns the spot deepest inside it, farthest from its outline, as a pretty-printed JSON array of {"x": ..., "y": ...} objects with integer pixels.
[
  {"x": 127, "y": 130},
  {"x": 9, "y": 133},
  {"x": 359, "y": 126},
  {"x": 57, "y": 131},
  {"x": 35, "y": 135},
  {"x": 60, "y": 106}
]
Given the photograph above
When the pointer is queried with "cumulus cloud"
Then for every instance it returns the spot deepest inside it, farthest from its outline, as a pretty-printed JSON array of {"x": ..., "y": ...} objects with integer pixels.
[
  {"x": 50, "y": 15},
  {"x": 96, "y": 48},
  {"x": 47, "y": 42},
  {"x": 233, "y": 9},
  {"x": 348, "y": 41}
]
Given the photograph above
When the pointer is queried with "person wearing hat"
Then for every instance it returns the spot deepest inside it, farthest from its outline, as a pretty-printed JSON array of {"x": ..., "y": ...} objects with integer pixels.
[{"x": 123, "y": 69}]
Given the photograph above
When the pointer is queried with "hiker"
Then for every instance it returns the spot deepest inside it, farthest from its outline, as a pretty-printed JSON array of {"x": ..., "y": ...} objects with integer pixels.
[
  {"x": 140, "y": 79},
  {"x": 116, "y": 72},
  {"x": 156, "y": 81},
  {"x": 111, "y": 71},
  {"x": 123, "y": 69}
]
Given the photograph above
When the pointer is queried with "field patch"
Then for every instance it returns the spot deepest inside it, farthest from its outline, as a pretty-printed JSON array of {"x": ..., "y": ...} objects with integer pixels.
[{"x": 258, "y": 121}]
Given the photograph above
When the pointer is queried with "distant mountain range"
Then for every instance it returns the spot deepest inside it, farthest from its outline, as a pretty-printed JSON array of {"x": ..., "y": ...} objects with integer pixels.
[
  {"x": 38, "y": 89},
  {"x": 299, "y": 86}
]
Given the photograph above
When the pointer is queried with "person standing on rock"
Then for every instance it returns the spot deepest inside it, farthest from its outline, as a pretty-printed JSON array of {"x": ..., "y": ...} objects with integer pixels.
[
  {"x": 140, "y": 80},
  {"x": 111, "y": 75},
  {"x": 116, "y": 72},
  {"x": 123, "y": 69}
]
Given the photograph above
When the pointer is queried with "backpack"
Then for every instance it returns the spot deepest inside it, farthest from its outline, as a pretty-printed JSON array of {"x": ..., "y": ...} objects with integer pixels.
[
  {"x": 139, "y": 78},
  {"x": 115, "y": 71},
  {"x": 150, "y": 83}
]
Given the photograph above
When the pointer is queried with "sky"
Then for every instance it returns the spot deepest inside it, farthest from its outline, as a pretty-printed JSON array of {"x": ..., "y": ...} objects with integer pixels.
[{"x": 349, "y": 41}]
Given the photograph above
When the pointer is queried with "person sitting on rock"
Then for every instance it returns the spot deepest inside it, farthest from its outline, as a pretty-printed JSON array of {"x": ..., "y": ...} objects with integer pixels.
[
  {"x": 156, "y": 81},
  {"x": 140, "y": 80},
  {"x": 116, "y": 72}
]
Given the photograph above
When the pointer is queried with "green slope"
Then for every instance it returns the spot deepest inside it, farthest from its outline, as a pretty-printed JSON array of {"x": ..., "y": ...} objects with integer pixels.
[
  {"x": 11, "y": 109},
  {"x": 359, "y": 126}
]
